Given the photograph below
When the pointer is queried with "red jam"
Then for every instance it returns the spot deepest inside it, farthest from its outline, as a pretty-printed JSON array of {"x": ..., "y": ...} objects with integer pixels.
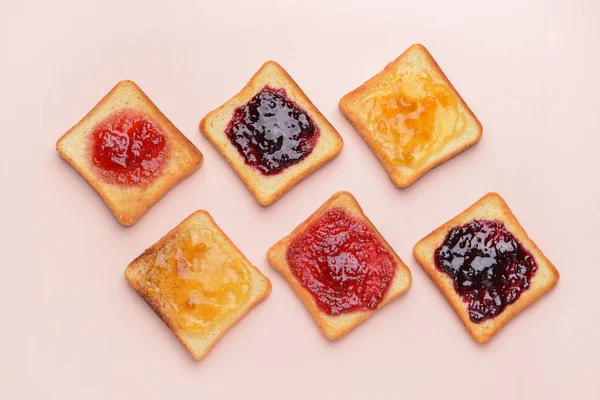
[
  {"x": 490, "y": 268},
  {"x": 128, "y": 148},
  {"x": 341, "y": 263},
  {"x": 272, "y": 132}
]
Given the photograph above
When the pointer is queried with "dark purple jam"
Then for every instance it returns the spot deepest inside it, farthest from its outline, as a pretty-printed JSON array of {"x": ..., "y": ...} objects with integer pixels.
[
  {"x": 490, "y": 268},
  {"x": 271, "y": 132}
]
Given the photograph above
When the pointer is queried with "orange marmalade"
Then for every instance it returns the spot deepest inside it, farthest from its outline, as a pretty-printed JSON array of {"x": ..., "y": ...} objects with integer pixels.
[
  {"x": 203, "y": 282},
  {"x": 412, "y": 117}
]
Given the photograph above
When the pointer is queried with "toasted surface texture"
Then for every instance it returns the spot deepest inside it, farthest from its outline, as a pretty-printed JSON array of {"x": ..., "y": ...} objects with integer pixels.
[
  {"x": 489, "y": 207},
  {"x": 149, "y": 279},
  {"x": 456, "y": 130},
  {"x": 336, "y": 326},
  {"x": 129, "y": 202},
  {"x": 268, "y": 188}
]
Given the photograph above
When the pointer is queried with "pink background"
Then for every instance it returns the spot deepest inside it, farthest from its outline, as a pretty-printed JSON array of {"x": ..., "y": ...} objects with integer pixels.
[{"x": 73, "y": 329}]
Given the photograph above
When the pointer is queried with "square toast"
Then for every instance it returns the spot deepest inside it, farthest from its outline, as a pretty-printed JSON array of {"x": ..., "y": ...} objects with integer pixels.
[
  {"x": 336, "y": 326},
  {"x": 198, "y": 282},
  {"x": 268, "y": 188},
  {"x": 493, "y": 208},
  {"x": 128, "y": 202},
  {"x": 411, "y": 116}
]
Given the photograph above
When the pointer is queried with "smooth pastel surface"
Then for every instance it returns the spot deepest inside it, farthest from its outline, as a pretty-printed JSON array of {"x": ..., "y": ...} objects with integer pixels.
[{"x": 74, "y": 329}]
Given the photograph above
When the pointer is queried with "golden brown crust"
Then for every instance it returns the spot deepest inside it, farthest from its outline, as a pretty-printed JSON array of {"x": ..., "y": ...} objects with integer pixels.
[
  {"x": 265, "y": 192},
  {"x": 490, "y": 206},
  {"x": 334, "y": 327},
  {"x": 401, "y": 179},
  {"x": 126, "y": 203},
  {"x": 142, "y": 263}
]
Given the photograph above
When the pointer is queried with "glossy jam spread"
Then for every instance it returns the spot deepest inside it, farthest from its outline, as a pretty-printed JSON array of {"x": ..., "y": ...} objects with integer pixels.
[
  {"x": 489, "y": 266},
  {"x": 272, "y": 132},
  {"x": 412, "y": 117},
  {"x": 341, "y": 263},
  {"x": 203, "y": 284},
  {"x": 128, "y": 148}
]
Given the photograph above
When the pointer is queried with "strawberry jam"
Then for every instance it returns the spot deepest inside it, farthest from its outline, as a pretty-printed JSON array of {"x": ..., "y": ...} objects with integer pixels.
[
  {"x": 341, "y": 263},
  {"x": 489, "y": 266},
  {"x": 128, "y": 148},
  {"x": 271, "y": 132}
]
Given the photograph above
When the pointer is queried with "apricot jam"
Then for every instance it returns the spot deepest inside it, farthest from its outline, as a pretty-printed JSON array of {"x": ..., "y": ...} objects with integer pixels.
[
  {"x": 413, "y": 119},
  {"x": 341, "y": 263},
  {"x": 489, "y": 266},
  {"x": 128, "y": 148},
  {"x": 203, "y": 284},
  {"x": 271, "y": 132}
]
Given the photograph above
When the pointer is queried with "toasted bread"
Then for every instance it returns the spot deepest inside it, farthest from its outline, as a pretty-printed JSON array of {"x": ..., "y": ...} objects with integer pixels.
[
  {"x": 336, "y": 326},
  {"x": 129, "y": 202},
  {"x": 268, "y": 188},
  {"x": 413, "y": 80},
  {"x": 197, "y": 260},
  {"x": 489, "y": 207}
]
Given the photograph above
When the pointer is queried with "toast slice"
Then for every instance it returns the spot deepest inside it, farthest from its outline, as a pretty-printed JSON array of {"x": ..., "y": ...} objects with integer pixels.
[
  {"x": 129, "y": 199},
  {"x": 271, "y": 182},
  {"x": 198, "y": 282},
  {"x": 490, "y": 207},
  {"x": 337, "y": 325},
  {"x": 411, "y": 116}
]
